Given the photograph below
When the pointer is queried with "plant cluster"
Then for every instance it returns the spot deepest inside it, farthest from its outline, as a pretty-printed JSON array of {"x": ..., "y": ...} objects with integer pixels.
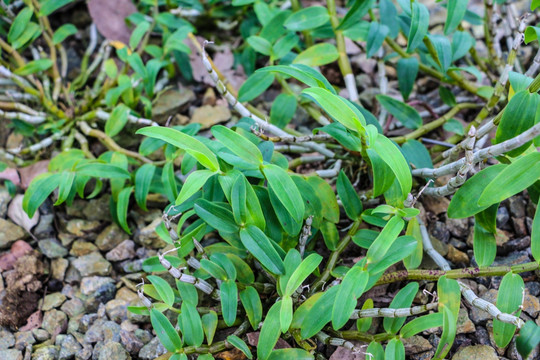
[{"x": 246, "y": 232}]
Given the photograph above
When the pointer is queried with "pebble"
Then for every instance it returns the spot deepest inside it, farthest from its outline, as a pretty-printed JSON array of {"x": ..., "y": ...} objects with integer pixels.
[
  {"x": 117, "y": 309},
  {"x": 45, "y": 226},
  {"x": 11, "y": 354},
  {"x": 482, "y": 336},
  {"x": 148, "y": 237},
  {"x": 110, "y": 237},
  {"x": 92, "y": 264},
  {"x": 533, "y": 287},
  {"x": 111, "y": 331},
  {"x": 132, "y": 266},
  {"x": 9, "y": 232},
  {"x": 69, "y": 347},
  {"x": 23, "y": 339},
  {"x": 502, "y": 216},
  {"x": 81, "y": 248},
  {"x": 531, "y": 305},
  {"x": 439, "y": 231},
  {"x": 52, "y": 248},
  {"x": 458, "y": 227},
  {"x": 7, "y": 339},
  {"x": 113, "y": 351},
  {"x": 52, "y": 301},
  {"x": 80, "y": 227},
  {"x": 123, "y": 251},
  {"x": 416, "y": 344},
  {"x": 456, "y": 256},
  {"x": 49, "y": 352},
  {"x": 516, "y": 205},
  {"x": 476, "y": 352},
  {"x": 58, "y": 268},
  {"x": 464, "y": 324},
  {"x": 152, "y": 350},
  {"x": 40, "y": 335},
  {"x": 520, "y": 228},
  {"x": 131, "y": 342},
  {"x": 5, "y": 198},
  {"x": 73, "y": 307},
  {"x": 98, "y": 290},
  {"x": 95, "y": 332},
  {"x": 55, "y": 322},
  {"x": 86, "y": 321},
  {"x": 84, "y": 354},
  {"x": 97, "y": 209}
]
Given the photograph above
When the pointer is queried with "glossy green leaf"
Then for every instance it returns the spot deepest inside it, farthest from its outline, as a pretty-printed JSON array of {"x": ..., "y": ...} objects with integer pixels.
[
  {"x": 262, "y": 249},
  {"x": 33, "y": 67},
  {"x": 349, "y": 197},
  {"x": 188, "y": 292},
  {"x": 254, "y": 86},
  {"x": 358, "y": 9},
  {"x": 290, "y": 353},
  {"x": 403, "y": 299},
  {"x": 529, "y": 337},
  {"x": 50, "y": 6},
  {"x": 376, "y": 350},
  {"x": 122, "y": 208},
  {"x": 284, "y": 45},
  {"x": 407, "y": 70},
  {"x": 260, "y": 45},
  {"x": 63, "y": 32},
  {"x": 285, "y": 313},
  {"x": 143, "y": 179},
  {"x": 395, "y": 350},
  {"x": 213, "y": 269},
  {"x": 244, "y": 273},
  {"x": 317, "y": 55},
  {"x": 252, "y": 305},
  {"x": 283, "y": 110},
  {"x": 216, "y": 216},
  {"x": 240, "y": 345},
  {"x": 117, "y": 120},
  {"x": 138, "y": 33},
  {"x": 183, "y": 141},
  {"x": 509, "y": 300},
  {"x": 364, "y": 324},
  {"x": 419, "y": 26},
  {"x": 534, "y": 4},
  {"x": 39, "y": 190},
  {"x": 229, "y": 301},
  {"x": 455, "y": 12},
  {"x": 238, "y": 144},
  {"x": 465, "y": 200},
  {"x": 209, "y": 324},
  {"x": 306, "y": 267},
  {"x": 163, "y": 288},
  {"x": 421, "y": 324},
  {"x": 319, "y": 314},
  {"x": 330, "y": 207},
  {"x": 65, "y": 186},
  {"x": 406, "y": 114},
  {"x": 382, "y": 243},
  {"x": 462, "y": 42},
  {"x": 535, "y": 235},
  {"x": 330, "y": 234},
  {"x": 270, "y": 332},
  {"x": 531, "y": 34},
  {"x": 168, "y": 180},
  {"x": 101, "y": 170},
  {"x": 414, "y": 260},
  {"x": 308, "y": 18},
  {"x": 285, "y": 190},
  {"x": 376, "y": 35},
  {"x": 165, "y": 331},
  {"x": 350, "y": 289},
  {"x": 513, "y": 179},
  {"x": 193, "y": 183},
  {"x": 225, "y": 263},
  {"x": 449, "y": 303},
  {"x": 19, "y": 24},
  {"x": 191, "y": 325}
]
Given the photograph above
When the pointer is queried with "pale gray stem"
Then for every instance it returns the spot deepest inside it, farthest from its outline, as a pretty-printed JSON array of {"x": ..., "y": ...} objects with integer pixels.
[{"x": 393, "y": 313}]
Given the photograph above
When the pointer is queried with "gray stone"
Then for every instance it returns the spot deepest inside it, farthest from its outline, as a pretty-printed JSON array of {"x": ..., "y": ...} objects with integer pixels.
[
  {"x": 5, "y": 198},
  {"x": 102, "y": 330},
  {"x": 502, "y": 216},
  {"x": 58, "y": 268},
  {"x": 123, "y": 251},
  {"x": 45, "y": 226},
  {"x": 72, "y": 275},
  {"x": 11, "y": 354},
  {"x": 132, "y": 266},
  {"x": 531, "y": 305},
  {"x": 458, "y": 227},
  {"x": 52, "y": 301},
  {"x": 476, "y": 352},
  {"x": 40, "y": 334},
  {"x": 69, "y": 347},
  {"x": 113, "y": 351},
  {"x": 516, "y": 205},
  {"x": 97, "y": 290},
  {"x": 81, "y": 248},
  {"x": 117, "y": 309},
  {"x": 23, "y": 339},
  {"x": 514, "y": 258},
  {"x": 84, "y": 354},
  {"x": 464, "y": 324},
  {"x": 416, "y": 344},
  {"x": 73, "y": 307},
  {"x": 89, "y": 285},
  {"x": 9, "y": 232},
  {"x": 152, "y": 350},
  {"x": 144, "y": 335},
  {"x": 86, "y": 321},
  {"x": 95, "y": 332},
  {"x": 110, "y": 237},
  {"x": 52, "y": 248},
  {"x": 111, "y": 331},
  {"x": 54, "y": 321},
  {"x": 533, "y": 287},
  {"x": 92, "y": 264},
  {"x": 49, "y": 352},
  {"x": 131, "y": 342},
  {"x": 80, "y": 227},
  {"x": 97, "y": 209},
  {"x": 7, "y": 339}
]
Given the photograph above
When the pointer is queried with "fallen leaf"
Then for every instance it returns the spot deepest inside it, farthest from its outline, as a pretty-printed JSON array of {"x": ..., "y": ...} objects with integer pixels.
[
  {"x": 109, "y": 17},
  {"x": 19, "y": 216},
  {"x": 11, "y": 175},
  {"x": 342, "y": 353},
  {"x": 253, "y": 340},
  {"x": 30, "y": 172},
  {"x": 33, "y": 322},
  {"x": 18, "y": 249}
]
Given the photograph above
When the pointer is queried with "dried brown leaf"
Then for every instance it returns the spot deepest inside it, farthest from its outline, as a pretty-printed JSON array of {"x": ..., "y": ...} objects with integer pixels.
[
  {"x": 109, "y": 17},
  {"x": 19, "y": 216},
  {"x": 30, "y": 172}
]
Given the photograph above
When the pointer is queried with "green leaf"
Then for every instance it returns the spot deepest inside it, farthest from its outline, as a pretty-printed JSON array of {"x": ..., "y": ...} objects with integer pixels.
[
  {"x": 143, "y": 180},
  {"x": 358, "y": 9},
  {"x": 283, "y": 110},
  {"x": 334, "y": 106},
  {"x": 317, "y": 55},
  {"x": 39, "y": 190},
  {"x": 191, "y": 325},
  {"x": 363, "y": 324},
  {"x": 509, "y": 300},
  {"x": 65, "y": 187},
  {"x": 229, "y": 301},
  {"x": 407, "y": 70},
  {"x": 406, "y": 114},
  {"x": 529, "y": 334},
  {"x": 349, "y": 198},
  {"x": 390, "y": 153},
  {"x": 165, "y": 331},
  {"x": 291, "y": 353},
  {"x": 216, "y": 216},
  {"x": 193, "y": 183},
  {"x": 31, "y": 32},
  {"x": 163, "y": 288},
  {"x": 414, "y": 260},
  {"x": 449, "y": 303},
  {"x": 416, "y": 154},
  {"x": 464, "y": 203},
  {"x": 320, "y": 313},
  {"x": 455, "y": 12},
  {"x": 50, "y": 6},
  {"x": 262, "y": 249},
  {"x": 308, "y": 18},
  {"x": 403, "y": 299},
  {"x": 394, "y": 350},
  {"x": 188, "y": 292},
  {"x": 376, "y": 350},
  {"x": 168, "y": 180},
  {"x": 535, "y": 235},
  {"x": 240, "y": 345},
  {"x": 462, "y": 42},
  {"x": 101, "y": 170},
  {"x": 286, "y": 191},
  {"x": 20, "y": 23},
  {"x": 285, "y": 313},
  {"x": 376, "y": 35},
  {"x": 260, "y": 45},
  {"x": 519, "y": 116},
  {"x": 383, "y": 176},
  {"x": 421, "y": 324},
  {"x": 382, "y": 243},
  {"x": 330, "y": 207},
  {"x": 531, "y": 34},
  {"x": 419, "y": 26},
  {"x": 534, "y": 5},
  {"x": 330, "y": 234},
  {"x": 252, "y": 305},
  {"x": 209, "y": 324},
  {"x": 63, "y": 32},
  {"x": 34, "y": 67},
  {"x": 238, "y": 144},
  {"x": 255, "y": 85},
  {"x": 301, "y": 273},
  {"x": 454, "y": 126},
  {"x": 117, "y": 120},
  {"x": 138, "y": 33},
  {"x": 183, "y": 141},
  {"x": 352, "y": 286},
  {"x": 513, "y": 179},
  {"x": 284, "y": 45},
  {"x": 213, "y": 269},
  {"x": 270, "y": 332},
  {"x": 122, "y": 208}
]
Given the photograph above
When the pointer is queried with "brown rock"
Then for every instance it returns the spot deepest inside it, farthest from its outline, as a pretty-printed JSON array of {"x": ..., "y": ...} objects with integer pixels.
[
  {"x": 456, "y": 256},
  {"x": 464, "y": 324},
  {"x": 208, "y": 115}
]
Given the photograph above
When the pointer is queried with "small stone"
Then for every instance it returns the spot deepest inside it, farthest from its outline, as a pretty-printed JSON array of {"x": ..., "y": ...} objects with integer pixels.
[
  {"x": 436, "y": 205},
  {"x": 40, "y": 335},
  {"x": 95, "y": 332},
  {"x": 464, "y": 324},
  {"x": 45, "y": 226},
  {"x": 117, "y": 309},
  {"x": 458, "y": 227},
  {"x": 152, "y": 350},
  {"x": 531, "y": 305},
  {"x": 456, "y": 256},
  {"x": 147, "y": 236},
  {"x": 98, "y": 290},
  {"x": 127, "y": 325},
  {"x": 92, "y": 264},
  {"x": 428, "y": 355},
  {"x": 5, "y": 198},
  {"x": 123, "y": 251},
  {"x": 9, "y": 232},
  {"x": 52, "y": 248},
  {"x": 514, "y": 258},
  {"x": 132, "y": 344},
  {"x": 519, "y": 226},
  {"x": 69, "y": 347},
  {"x": 113, "y": 351},
  {"x": 516, "y": 205},
  {"x": 58, "y": 268},
  {"x": 54, "y": 321},
  {"x": 49, "y": 352},
  {"x": 132, "y": 266},
  {"x": 23, "y": 339},
  {"x": 416, "y": 344},
  {"x": 81, "y": 248},
  {"x": 7, "y": 339},
  {"x": 476, "y": 352},
  {"x": 458, "y": 244},
  {"x": 171, "y": 102},
  {"x": 533, "y": 287},
  {"x": 89, "y": 285},
  {"x": 52, "y": 301},
  {"x": 97, "y": 209},
  {"x": 110, "y": 237},
  {"x": 439, "y": 231},
  {"x": 502, "y": 216},
  {"x": 479, "y": 316},
  {"x": 482, "y": 336},
  {"x": 517, "y": 244},
  {"x": 80, "y": 227},
  {"x": 111, "y": 331},
  {"x": 86, "y": 321},
  {"x": 84, "y": 354},
  {"x": 73, "y": 307},
  {"x": 208, "y": 116},
  {"x": 11, "y": 354}
]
